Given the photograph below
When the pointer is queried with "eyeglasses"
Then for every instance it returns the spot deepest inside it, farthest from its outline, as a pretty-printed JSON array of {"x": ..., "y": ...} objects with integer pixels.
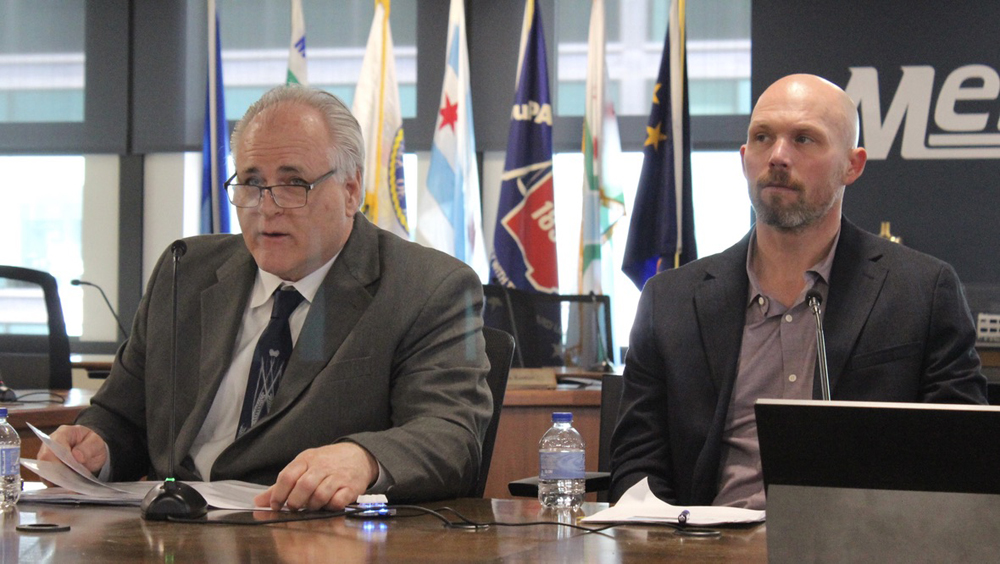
[{"x": 288, "y": 196}]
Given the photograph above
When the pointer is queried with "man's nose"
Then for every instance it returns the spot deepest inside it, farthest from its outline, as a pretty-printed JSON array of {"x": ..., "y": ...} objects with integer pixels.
[
  {"x": 267, "y": 203},
  {"x": 780, "y": 153}
]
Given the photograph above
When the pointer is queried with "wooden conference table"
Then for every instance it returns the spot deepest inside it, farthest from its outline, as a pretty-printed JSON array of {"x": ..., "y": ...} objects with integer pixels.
[{"x": 108, "y": 534}]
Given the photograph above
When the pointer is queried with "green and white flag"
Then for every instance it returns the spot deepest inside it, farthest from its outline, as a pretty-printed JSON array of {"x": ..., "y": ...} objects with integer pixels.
[
  {"x": 297, "y": 73},
  {"x": 603, "y": 202}
]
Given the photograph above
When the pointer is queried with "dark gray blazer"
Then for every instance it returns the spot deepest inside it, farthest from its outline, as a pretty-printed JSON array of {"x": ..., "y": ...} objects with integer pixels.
[
  {"x": 390, "y": 356},
  {"x": 897, "y": 329}
]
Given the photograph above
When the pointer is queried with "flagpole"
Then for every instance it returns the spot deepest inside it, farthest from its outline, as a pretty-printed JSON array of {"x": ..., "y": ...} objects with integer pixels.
[
  {"x": 678, "y": 69},
  {"x": 213, "y": 110}
]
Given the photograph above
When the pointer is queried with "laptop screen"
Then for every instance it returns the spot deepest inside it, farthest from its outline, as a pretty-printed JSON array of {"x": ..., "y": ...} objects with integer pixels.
[{"x": 878, "y": 445}]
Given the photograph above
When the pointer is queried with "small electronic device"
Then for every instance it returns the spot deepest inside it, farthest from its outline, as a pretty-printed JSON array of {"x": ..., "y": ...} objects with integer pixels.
[{"x": 371, "y": 507}]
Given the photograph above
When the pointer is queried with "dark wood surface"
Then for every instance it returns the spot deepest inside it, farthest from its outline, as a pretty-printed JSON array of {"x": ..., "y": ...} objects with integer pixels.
[
  {"x": 44, "y": 415},
  {"x": 105, "y": 534}
]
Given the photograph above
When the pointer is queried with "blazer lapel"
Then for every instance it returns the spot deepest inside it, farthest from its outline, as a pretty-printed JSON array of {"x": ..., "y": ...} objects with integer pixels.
[
  {"x": 222, "y": 306},
  {"x": 338, "y": 305},
  {"x": 856, "y": 279},
  {"x": 720, "y": 306}
]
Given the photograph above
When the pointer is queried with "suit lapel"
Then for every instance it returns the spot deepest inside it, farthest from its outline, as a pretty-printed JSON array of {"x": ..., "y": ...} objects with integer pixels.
[
  {"x": 338, "y": 305},
  {"x": 222, "y": 306},
  {"x": 856, "y": 279},
  {"x": 720, "y": 306}
]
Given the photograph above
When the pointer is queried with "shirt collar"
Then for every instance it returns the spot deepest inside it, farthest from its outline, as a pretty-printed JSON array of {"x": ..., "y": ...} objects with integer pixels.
[
  {"x": 266, "y": 283},
  {"x": 818, "y": 274}
]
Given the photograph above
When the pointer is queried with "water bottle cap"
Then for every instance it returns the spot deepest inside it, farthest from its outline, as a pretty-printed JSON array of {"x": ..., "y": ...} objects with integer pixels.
[
  {"x": 3, "y": 412},
  {"x": 562, "y": 417}
]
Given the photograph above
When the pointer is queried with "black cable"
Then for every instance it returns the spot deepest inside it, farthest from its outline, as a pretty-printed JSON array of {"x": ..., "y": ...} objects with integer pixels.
[
  {"x": 52, "y": 398},
  {"x": 464, "y": 522},
  {"x": 467, "y": 523}
]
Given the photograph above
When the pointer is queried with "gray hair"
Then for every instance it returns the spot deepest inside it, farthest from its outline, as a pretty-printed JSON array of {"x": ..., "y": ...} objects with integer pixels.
[{"x": 344, "y": 129}]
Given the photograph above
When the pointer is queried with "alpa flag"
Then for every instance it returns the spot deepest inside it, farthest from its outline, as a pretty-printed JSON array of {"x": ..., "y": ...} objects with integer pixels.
[
  {"x": 297, "y": 48},
  {"x": 524, "y": 240},
  {"x": 215, "y": 142}
]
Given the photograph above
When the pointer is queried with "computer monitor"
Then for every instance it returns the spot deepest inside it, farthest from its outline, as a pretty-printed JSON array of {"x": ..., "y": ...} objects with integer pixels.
[{"x": 853, "y": 481}]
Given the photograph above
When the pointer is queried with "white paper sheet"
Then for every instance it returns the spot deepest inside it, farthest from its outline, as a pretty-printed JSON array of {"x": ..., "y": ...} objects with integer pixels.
[
  {"x": 639, "y": 505},
  {"x": 78, "y": 485}
]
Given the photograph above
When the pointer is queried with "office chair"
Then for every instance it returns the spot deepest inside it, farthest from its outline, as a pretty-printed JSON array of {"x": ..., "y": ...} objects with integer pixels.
[
  {"x": 600, "y": 481},
  {"x": 35, "y": 360},
  {"x": 541, "y": 338},
  {"x": 500, "y": 351}
]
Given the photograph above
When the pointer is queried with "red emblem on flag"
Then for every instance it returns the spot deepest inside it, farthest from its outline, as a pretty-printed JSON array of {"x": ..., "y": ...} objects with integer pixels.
[{"x": 531, "y": 223}]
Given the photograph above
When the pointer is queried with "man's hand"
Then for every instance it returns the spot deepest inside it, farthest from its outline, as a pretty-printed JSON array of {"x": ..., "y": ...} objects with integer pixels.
[
  {"x": 328, "y": 477},
  {"x": 88, "y": 447}
]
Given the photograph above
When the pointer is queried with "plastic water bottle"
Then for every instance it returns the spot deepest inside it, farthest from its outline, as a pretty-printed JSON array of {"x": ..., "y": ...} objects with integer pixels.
[
  {"x": 561, "y": 464},
  {"x": 10, "y": 463}
]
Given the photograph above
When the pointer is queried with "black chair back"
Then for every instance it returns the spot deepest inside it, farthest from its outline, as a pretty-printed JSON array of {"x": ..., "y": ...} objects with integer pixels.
[
  {"x": 34, "y": 360},
  {"x": 500, "y": 351}
]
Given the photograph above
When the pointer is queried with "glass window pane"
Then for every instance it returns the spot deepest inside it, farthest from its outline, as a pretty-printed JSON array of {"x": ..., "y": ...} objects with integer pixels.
[
  {"x": 718, "y": 53},
  {"x": 721, "y": 208},
  {"x": 42, "y": 61},
  {"x": 336, "y": 33},
  {"x": 44, "y": 233}
]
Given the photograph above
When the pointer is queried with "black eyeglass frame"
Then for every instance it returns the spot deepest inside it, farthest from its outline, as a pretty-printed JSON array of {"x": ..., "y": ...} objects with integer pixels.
[{"x": 260, "y": 191}]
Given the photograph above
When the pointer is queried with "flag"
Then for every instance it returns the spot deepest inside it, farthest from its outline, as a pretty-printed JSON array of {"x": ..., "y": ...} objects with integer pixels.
[
  {"x": 297, "y": 72},
  {"x": 603, "y": 201},
  {"x": 524, "y": 241},
  {"x": 661, "y": 233},
  {"x": 450, "y": 214},
  {"x": 376, "y": 106},
  {"x": 215, "y": 145}
]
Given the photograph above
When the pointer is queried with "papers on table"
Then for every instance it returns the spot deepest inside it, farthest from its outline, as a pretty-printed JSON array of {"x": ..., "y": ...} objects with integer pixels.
[
  {"x": 639, "y": 505},
  {"x": 78, "y": 485}
]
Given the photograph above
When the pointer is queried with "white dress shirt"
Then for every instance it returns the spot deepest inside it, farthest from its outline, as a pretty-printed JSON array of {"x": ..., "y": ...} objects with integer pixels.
[{"x": 219, "y": 429}]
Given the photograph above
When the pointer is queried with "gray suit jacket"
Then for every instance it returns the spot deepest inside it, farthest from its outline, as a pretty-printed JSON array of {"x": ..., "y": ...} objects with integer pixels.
[
  {"x": 391, "y": 356},
  {"x": 897, "y": 329}
]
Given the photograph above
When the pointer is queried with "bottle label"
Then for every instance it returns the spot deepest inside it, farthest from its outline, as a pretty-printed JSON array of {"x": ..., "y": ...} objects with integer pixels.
[
  {"x": 561, "y": 465},
  {"x": 9, "y": 460}
]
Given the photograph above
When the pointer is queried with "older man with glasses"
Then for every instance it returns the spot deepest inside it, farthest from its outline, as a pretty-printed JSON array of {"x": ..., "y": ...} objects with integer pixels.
[{"x": 318, "y": 354}]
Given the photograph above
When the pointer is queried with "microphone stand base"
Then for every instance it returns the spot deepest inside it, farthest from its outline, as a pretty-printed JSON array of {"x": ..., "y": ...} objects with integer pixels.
[{"x": 173, "y": 499}]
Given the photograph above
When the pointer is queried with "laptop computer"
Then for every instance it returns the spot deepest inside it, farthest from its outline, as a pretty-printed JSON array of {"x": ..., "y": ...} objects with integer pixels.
[{"x": 874, "y": 481}]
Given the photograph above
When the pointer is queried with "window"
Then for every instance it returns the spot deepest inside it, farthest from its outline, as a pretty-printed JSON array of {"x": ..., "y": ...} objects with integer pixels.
[
  {"x": 336, "y": 34},
  {"x": 718, "y": 54},
  {"x": 41, "y": 61},
  {"x": 722, "y": 217}
]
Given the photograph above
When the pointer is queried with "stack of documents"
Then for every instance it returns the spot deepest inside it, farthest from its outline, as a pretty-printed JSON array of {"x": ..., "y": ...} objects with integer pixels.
[
  {"x": 639, "y": 505},
  {"x": 78, "y": 485}
]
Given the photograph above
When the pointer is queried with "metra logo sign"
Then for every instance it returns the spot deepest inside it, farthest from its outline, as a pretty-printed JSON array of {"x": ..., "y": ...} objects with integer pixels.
[{"x": 955, "y": 134}]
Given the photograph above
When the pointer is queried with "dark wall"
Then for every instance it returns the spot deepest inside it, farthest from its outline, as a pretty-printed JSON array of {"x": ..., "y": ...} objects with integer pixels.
[{"x": 942, "y": 198}]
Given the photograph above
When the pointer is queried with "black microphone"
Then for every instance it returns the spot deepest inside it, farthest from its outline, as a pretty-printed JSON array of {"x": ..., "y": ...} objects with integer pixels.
[
  {"x": 172, "y": 498},
  {"x": 78, "y": 282},
  {"x": 814, "y": 298}
]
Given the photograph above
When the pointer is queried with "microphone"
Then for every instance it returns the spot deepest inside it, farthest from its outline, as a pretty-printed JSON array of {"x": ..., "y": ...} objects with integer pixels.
[
  {"x": 814, "y": 298},
  {"x": 173, "y": 499},
  {"x": 78, "y": 282}
]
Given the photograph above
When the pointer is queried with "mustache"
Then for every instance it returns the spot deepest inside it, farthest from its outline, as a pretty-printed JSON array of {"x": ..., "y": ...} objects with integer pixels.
[{"x": 778, "y": 177}]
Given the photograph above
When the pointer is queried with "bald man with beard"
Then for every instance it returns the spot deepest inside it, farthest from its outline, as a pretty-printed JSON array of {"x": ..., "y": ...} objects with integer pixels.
[{"x": 712, "y": 337}]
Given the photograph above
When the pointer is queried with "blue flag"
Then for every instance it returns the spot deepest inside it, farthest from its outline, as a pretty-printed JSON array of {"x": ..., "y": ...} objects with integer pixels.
[
  {"x": 215, "y": 146},
  {"x": 661, "y": 233},
  {"x": 524, "y": 240}
]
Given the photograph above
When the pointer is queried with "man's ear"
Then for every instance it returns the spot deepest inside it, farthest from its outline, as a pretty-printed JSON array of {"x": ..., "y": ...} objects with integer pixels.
[
  {"x": 855, "y": 165},
  {"x": 355, "y": 192}
]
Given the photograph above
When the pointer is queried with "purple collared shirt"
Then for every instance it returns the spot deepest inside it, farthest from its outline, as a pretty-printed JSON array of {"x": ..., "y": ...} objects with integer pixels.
[{"x": 777, "y": 360}]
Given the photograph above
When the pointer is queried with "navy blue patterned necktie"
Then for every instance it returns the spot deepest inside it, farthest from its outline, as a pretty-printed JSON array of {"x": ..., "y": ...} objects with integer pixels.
[{"x": 274, "y": 348}]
